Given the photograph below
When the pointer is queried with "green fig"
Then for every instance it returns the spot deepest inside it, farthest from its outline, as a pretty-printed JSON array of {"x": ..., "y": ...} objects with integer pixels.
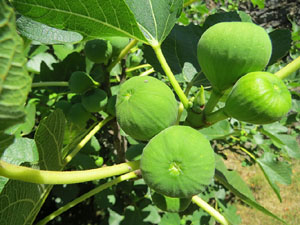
[
  {"x": 80, "y": 82},
  {"x": 170, "y": 204},
  {"x": 99, "y": 161},
  {"x": 258, "y": 98},
  {"x": 94, "y": 100},
  {"x": 178, "y": 162},
  {"x": 98, "y": 50},
  {"x": 145, "y": 106},
  {"x": 229, "y": 50}
]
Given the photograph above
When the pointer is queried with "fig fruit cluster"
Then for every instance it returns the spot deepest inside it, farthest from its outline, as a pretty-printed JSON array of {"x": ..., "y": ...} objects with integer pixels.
[{"x": 235, "y": 53}]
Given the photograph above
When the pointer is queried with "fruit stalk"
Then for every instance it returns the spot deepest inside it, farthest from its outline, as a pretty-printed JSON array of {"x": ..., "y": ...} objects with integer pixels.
[
  {"x": 289, "y": 68},
  {"x": 215, "y": 117},
  {"x": 85, "y": 196},
  {"x": 122, "y": 54},
  {"x": 212, "y": 101},
  {"x": 210, "y": 210},
  {"x": 87, "y": 138},
  {"x": 189, "y": 3},
  {"x": 137, "y": 67},
  {"x": 50, "y": 84},
  {"x": 147, "y": 72},
  {"x": 30, "y": 175},
  {"x": 170, "y": 75}
]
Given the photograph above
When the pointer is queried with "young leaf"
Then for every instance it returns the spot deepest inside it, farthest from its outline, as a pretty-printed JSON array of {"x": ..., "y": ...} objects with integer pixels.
[
  {"x": 26, "y": 198},
  {"x": 44, "y": 34},
  {"x": 14, "y": 80},
  {"x": 91, "y": 18},
  {"x": 275, "y": 171},
  {"x": 156, "y": 18},
  {"x": 232, "y": 181}
]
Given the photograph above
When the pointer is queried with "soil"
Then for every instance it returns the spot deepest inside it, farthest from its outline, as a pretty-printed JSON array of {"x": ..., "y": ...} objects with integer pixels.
[{"x": 276, "y": 13}]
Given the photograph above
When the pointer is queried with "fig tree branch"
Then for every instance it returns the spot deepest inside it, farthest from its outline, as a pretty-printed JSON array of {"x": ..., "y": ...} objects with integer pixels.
[
  {"x": 87, "y": 195},
  {"x": 210, "y": 210},
  {"x": 30, "y": 175},
  {"x": 289, "y": 68},
  {"x": 170, "y": 75}
]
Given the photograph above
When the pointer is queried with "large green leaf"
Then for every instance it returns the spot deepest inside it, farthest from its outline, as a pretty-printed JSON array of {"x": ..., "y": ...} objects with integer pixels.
[
  {"x": 232, "y": 181},
  {"x": 275, "y": 171},
  {"x": 44, "y": 34},
  {"x": 14, "y": 80},
  {"x": 91, "y": 18},
  {"x": 232, "y": 178},
  {"x": 156, "y": 18},
  {"x": 22, "y": 199}
]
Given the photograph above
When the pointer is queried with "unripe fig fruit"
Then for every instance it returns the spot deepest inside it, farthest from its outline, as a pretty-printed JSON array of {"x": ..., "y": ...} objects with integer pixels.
[
  {"x": 98, "y": 50},
  {"x": 99, "y": 161},
  {"x": 178, "y": 162},
  {"x": 228, "y": 50},
  {"x": 258, "y": 98},
  {"x": 170, "y": 204},
  {"x": 145, "y": 106},
  {"x": 80, "y": 82},
  {"x": 78, "y": 114},
  {"x": 94, "y": 100},
  {"x": 118, "y": 44}
]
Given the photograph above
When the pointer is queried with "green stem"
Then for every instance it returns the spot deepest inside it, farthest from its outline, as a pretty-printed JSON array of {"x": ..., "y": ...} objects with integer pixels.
[
  {"x": 50, "y": 84},
  {"x": 210, "y": 210},
  {"x": 180, "y": 111},
  {"x": 169, "y": 73},
  {"x": 85, "y": 196},
  {"x": 87, "y": 138},
  {"x": 137, "y": 67},
  {"x": 289, "y": 68},
  {"x": 147, "y": 72},
  {"x": 215, "y": 117},
  {"x": 30, "y": 175},
  {"x": 248, "y": 153},
  {"x": 189, "y": 3},
  {"x": 212, "y": 102},
  {"x": 122, "y": 54}
]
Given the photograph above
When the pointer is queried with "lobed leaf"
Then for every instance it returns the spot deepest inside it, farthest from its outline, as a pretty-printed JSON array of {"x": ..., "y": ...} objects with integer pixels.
[
  {"x": 156, "y": 18},
  {"x": 232, "y": 181},
  {"x": 44, "y": 34},
  {"x": 25, "y": 198},
  {"x": 14, "y": 80},
  {"x": 90, "y": 18}
]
